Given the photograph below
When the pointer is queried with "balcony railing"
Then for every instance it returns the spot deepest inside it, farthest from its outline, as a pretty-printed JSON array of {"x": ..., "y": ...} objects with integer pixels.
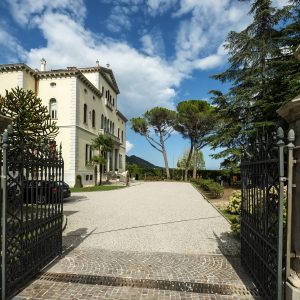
[{"x": 114, "y": 138}]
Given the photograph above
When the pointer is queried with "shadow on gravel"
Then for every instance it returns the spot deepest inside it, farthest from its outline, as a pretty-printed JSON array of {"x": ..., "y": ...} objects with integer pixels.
[
  {"x": 227, "y": 244},
  {"x": 75, "y": 198},
  {"x": 74, "y": 238}
]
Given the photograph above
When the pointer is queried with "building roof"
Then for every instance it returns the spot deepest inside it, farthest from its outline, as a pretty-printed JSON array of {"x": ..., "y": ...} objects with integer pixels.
[
  {"x": 106, "y": 73},
  {"x": 121, "y": 116},
  {"x": 70, "y": 71}
]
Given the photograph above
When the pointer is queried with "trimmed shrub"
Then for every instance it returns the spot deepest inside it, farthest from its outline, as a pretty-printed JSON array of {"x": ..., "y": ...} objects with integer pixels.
[{"x": 211, "y": 186}]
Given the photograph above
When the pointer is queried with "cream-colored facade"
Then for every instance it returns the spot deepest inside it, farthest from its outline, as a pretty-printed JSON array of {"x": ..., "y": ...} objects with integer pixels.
[{"x": 83, "y": 102}]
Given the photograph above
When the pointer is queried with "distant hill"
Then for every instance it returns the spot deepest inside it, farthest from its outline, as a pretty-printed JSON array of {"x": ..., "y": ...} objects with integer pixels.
[{"x": 139, "y": 161}]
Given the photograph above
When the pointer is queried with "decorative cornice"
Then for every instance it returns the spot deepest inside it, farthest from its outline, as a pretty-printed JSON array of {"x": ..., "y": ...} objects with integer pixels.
[
  {"x": 103, "y": 71},
  {"x": 16, "y": 67},
  {"x": 121, "y": 116},
  {"x": 70, "y": 72}
]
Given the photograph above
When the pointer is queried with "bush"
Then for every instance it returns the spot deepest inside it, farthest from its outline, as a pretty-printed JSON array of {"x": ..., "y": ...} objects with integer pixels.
[
  {"x": 209, "y": 185},
  {"x": 235, "y": 202}
]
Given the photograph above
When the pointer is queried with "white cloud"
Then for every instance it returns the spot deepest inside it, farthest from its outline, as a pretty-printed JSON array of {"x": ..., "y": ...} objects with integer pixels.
[
  {"x": 145, "y": 78},
  {"x": 129, "y": 146},
  {"x": 156, "y": 7},
  {"x": 280, "y": 3},
  {"x": 24, "y": 11},
  {"x": 10, "y": 47}
]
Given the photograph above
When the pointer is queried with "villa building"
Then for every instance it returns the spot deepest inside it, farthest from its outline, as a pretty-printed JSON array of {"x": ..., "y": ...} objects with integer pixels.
[{"x": 83, "y": 102}]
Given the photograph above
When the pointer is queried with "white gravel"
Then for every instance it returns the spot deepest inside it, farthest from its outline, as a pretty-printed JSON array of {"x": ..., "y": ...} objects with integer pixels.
[{"x": 151, "y": 217}]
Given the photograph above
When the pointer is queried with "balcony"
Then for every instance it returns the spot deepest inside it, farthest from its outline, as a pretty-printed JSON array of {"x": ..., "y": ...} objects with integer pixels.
[
  {"x": 109, "y": 104},
  {"x": 113, "y": 137}
]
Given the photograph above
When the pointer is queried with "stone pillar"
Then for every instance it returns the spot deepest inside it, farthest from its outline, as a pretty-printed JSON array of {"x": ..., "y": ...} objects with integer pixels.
[
  {"x": 291, "y": 113},
  {"x": 113, "y": 160}
]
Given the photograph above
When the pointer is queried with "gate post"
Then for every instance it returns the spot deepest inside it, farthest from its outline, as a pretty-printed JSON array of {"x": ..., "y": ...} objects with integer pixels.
[
  {"x": 291, "y": 113},
  {"x": 3, "y": 217}
]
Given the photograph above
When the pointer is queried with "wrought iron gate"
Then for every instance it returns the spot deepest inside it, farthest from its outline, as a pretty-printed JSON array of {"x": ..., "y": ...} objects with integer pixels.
[
  {"x": 262, "y": 211},
  {"x": 32, "y": 176}
]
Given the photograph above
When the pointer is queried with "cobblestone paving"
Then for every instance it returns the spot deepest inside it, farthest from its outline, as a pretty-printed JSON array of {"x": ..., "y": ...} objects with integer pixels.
[{"x": 157, "y": 232}]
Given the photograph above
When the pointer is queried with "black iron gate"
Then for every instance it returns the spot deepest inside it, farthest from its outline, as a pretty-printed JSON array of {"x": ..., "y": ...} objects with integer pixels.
[
  {"x": 32, "y": 177},
  {"x": 261, "y": 216}
]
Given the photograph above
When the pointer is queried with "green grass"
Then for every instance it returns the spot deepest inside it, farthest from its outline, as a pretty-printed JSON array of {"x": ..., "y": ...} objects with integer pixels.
[
  {"x": 97, "y": 188},
  {"x": 230, "y": 217}
]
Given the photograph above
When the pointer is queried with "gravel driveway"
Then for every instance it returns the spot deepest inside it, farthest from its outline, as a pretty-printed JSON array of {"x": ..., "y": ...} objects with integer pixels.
[
  {"x": 158, "y": 217},
  {"x": 157, "y": 240}
]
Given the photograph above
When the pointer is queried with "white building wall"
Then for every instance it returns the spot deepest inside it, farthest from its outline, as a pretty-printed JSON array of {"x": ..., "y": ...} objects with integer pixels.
[
  {"x": 64, "y": 91},
  {"x": 9, "y": 80}
]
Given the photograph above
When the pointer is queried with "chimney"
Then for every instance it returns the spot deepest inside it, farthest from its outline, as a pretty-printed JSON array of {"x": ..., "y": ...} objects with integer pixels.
[
  {"x": 97, "y": 63},
  {"x": 43, "y": 65}
]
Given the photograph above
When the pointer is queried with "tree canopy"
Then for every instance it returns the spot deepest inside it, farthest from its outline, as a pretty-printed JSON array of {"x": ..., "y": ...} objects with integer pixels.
[
  {"x": 196, "y": 120},
  {"x": 262, "y": 72},
  {"x": 161, "y": 121},
  {"x": 30, "y": 118}
]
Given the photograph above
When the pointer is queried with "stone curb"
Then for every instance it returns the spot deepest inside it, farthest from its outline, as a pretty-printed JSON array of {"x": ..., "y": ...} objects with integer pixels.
[{"x": 220, "y": 212}]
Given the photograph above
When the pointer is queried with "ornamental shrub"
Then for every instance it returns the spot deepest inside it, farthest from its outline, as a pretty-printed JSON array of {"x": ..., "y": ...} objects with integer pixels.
[{"x": 235, "y": 202}]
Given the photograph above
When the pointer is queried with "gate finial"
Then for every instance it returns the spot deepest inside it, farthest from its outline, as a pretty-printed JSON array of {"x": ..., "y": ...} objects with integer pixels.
[{"x": 291, "y": 136}]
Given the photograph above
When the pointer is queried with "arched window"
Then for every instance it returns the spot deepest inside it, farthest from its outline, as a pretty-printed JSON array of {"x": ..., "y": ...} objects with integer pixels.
[
  {"x": 113, "y": 128},
  {"x": 105, "y": 124},
  {"x": 102, "y": 122},
  {"x": 53, "y": 108},
  {"x": 93, "y": 118},
  {"x": 84, "y": 113},
  {"x": 122, "y": 136}
]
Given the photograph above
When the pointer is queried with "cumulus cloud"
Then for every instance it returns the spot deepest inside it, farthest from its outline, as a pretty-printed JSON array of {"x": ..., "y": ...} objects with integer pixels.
[
  {"x": 145, "y": 77},
  {"x": 129, "y": 146},
  {"x": 10, "y": 47},
  {"x": 144, "y": 80},
  {"x": 24, "y": 11}
]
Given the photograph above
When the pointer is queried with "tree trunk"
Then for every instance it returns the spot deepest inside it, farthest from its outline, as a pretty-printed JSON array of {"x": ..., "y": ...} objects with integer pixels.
[
  {"x": 95, "y": 174},
  {"x": 100, "y": 173},
  {"x": 165, "y": 156},
  {"x": 188, "y": 162},
  {"x": 195, "y": 164}
]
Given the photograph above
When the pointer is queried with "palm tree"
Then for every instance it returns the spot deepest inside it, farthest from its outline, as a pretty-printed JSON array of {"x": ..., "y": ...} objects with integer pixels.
[{"x": 103, "y": 143}]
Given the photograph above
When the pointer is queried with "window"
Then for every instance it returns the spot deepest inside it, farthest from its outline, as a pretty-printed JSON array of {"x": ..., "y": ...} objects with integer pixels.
[
  {"x": 113, "y": 128},
  {"x": 91, "y": 177},
  {"x": 53, "y": 108},
  {"x": 103, "y": 91},
  {"x": 102, "y": 122},
  {"x": 105, "y": 124},
  {"x": 85, "y": 90},
  {"x": 84, "y": 113},
  {"x": 52, "y": 84},
  {"x": 88, "y": 153},
  {"x": 93, "y": 118},
  {"x": 94, "y": 98},
  {"x": 87, "y": 177},
  {"x": 118, "y": 133},
  {"x": 122, "y": 136},
  {"x": 113, "y": 102}
]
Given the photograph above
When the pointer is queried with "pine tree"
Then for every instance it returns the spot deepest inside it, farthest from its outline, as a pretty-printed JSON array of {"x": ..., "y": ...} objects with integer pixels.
[{"x": 261, "y": 71}]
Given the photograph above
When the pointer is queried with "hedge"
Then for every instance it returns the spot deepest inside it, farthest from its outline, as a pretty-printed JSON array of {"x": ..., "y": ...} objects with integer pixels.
[{"x": 211, "y": 186}]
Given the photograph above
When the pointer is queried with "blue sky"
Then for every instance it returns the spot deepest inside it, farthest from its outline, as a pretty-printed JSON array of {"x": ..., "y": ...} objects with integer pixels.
[{"x": 161, "y": 51}]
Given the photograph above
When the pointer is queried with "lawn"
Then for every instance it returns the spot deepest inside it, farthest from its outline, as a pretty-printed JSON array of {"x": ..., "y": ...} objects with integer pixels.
[{"x": 97, "y": 188}]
